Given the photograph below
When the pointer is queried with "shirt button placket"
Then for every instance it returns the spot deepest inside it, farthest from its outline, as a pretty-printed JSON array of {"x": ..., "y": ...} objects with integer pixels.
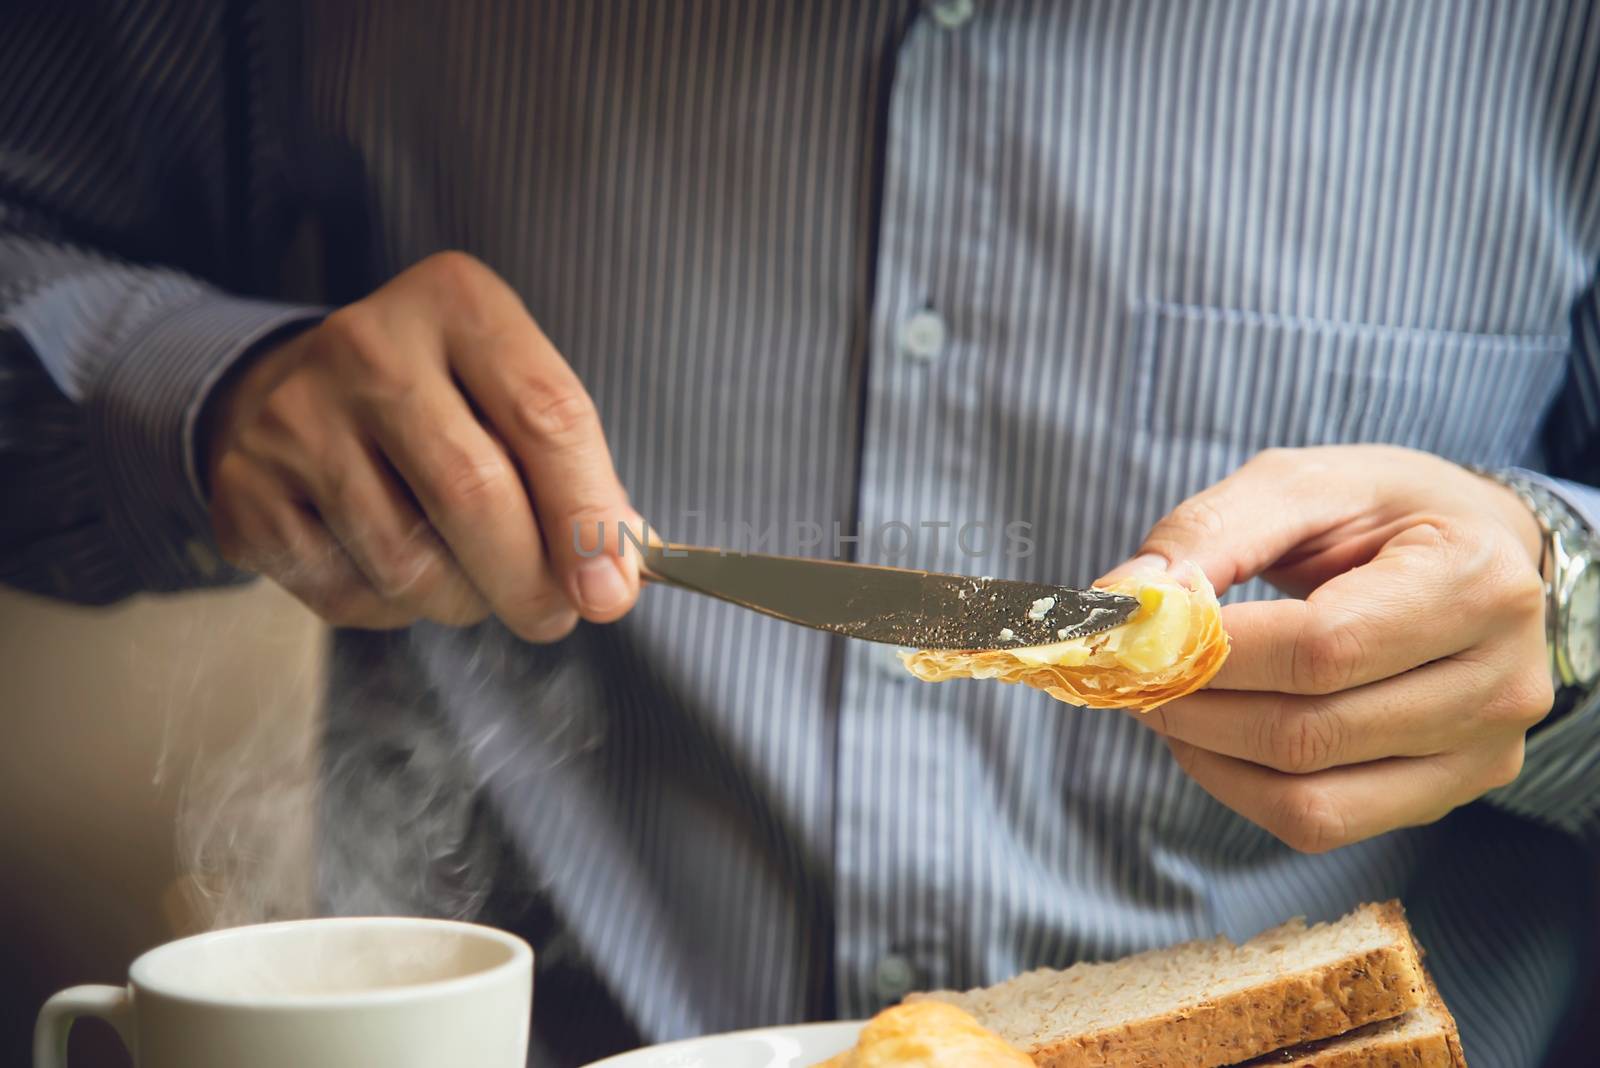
[{"x": 892, "y": 754}]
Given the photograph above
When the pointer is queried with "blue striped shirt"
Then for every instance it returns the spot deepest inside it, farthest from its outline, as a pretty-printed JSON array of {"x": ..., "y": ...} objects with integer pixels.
[{"x": 832, "y": 264}]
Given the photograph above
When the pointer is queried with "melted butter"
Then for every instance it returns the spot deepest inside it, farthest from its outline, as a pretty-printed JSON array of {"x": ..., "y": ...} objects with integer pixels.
[
  {"x": 1151, "y": 641},
  {"x": 1071, "y": 653}
]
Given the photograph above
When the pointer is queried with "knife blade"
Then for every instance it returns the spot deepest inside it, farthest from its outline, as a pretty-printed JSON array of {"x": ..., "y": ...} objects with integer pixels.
[{"x": 893, "y": 605}]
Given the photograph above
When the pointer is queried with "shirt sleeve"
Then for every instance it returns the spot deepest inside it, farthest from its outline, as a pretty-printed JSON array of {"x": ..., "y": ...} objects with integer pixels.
[
  {"x": 113, "y": 324},
  {"x": 1560, "y": 780}
]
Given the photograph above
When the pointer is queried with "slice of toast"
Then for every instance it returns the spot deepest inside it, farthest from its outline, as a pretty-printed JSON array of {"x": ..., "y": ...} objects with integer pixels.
[
  {"x": 1425, "y": 1037},
  {"x": 1210, "y": 1004}
]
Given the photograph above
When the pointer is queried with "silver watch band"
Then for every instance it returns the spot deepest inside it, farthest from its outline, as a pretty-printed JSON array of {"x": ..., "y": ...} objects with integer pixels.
[{"x": 1564, "y": 533}]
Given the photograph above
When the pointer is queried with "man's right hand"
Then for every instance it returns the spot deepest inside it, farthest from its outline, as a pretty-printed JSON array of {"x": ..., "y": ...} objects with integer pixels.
[{"x": 423, "y": 453}]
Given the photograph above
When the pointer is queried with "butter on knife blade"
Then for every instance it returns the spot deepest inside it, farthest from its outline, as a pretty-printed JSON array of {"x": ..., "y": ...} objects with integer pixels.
[
  {"x": 1173, "y": 645},
  {"x": 895, "y": 605}
]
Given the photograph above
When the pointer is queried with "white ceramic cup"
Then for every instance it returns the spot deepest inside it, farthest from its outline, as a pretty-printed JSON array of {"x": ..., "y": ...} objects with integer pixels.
[{"x": 385, "y": 992}]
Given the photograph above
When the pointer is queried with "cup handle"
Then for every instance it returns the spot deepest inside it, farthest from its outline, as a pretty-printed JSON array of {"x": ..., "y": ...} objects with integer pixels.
[{"x": 109, "y": 1003}]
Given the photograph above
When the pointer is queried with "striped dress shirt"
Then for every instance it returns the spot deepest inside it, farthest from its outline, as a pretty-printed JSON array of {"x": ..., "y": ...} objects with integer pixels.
[{"x": 832, "y": 266}]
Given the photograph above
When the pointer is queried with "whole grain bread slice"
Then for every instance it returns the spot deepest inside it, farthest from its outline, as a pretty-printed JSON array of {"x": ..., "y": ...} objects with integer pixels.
[
  {"x": 1425, "y": 1037},
  {"x": 1211, "y": 1003}
]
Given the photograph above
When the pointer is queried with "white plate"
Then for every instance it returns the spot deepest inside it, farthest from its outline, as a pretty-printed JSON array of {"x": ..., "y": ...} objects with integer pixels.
[{"x": 770, "y": 1047}]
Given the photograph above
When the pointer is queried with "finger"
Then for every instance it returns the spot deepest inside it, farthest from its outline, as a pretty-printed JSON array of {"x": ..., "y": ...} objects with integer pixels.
[
  {"x": 375, "y": 522},
  {"x": 263, "y": 529},
  {"x": 323, "y": 576},
  {"x": 1251, "y": 520},
  {"x": 1144, "y": 563},
  {"x": 1334, "y": 808},
  {"x": 539, "y": 407},
  {"x": 1335, "y": 551},
  {"x": 1415, "y": 602},
  {"x": 1431, "y": 710},
  {"x": 472, "y": 494}
]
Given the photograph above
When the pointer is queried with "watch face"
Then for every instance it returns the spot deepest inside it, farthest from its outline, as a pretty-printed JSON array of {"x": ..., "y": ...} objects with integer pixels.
[{"x": 1582, "y": 637}]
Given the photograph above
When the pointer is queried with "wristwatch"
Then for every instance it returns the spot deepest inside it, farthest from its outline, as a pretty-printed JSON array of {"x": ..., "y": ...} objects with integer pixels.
[{"x": 1571, "y": 569}]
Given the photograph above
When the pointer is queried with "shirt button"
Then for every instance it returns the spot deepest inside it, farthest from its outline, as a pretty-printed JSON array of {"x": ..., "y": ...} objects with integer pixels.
[
  {"x": 887, "y": 660},
  {"x": 894, "y": 978},
  {"x": 951, "y": 14},
  {"x": 923, "y": 335}
]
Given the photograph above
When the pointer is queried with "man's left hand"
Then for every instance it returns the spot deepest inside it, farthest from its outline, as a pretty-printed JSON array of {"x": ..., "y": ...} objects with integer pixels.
[{"x": 1402, "y": 681}]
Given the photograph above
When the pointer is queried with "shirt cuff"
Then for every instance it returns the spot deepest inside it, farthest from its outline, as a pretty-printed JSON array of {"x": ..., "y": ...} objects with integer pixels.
[
  {"x": 142, "y": 418},
  {"x": 1585, "y": 500},
  {"x": 1560, "y": 780}
]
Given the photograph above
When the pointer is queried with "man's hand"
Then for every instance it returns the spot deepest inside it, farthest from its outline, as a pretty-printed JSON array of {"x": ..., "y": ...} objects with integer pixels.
[
  {"x": 422, "y": 454},
  {"x": 1404, "y": 682}
]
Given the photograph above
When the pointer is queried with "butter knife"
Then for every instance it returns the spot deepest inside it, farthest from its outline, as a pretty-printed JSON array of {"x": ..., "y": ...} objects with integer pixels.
[{"x": 895, "y": 605}]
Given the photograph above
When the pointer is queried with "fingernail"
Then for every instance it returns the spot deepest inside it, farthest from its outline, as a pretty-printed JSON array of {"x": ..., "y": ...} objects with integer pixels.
[
  {"x": 600, "y": 585},
  {"x": 1141, "y": 563}
]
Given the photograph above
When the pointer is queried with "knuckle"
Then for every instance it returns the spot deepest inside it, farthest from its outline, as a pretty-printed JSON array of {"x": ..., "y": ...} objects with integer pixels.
[
  {"x": 1522, "y": 593},
  {"x": 404, "y": 570},
  {"x": 1325, "y": 656},
  {"x": 278, "y": 419},
  {"x": 1439, "y": 534},
  {"x": 475, "y": 484},
  {"x": 355, "y": 342},
  {"x": 454, "y": 269},
  {"x": 1196, "y": 522},
  {"x": 558, "y": 414},
  {"x": 401, "y": 563},
  {"x": 1479, "y": 548},
  {"x": 1505, "y": 768},
  {"x": 470, "y": 294},
  {"x": 1308, "y": 820},
  {"x": 1524, "y": 699},
  {"x": 352, "y": 331},
  {"x": 1541, "y": 696},
  {"x": 1196, "y": 519},
  {"x": 1303, "y": 740}
]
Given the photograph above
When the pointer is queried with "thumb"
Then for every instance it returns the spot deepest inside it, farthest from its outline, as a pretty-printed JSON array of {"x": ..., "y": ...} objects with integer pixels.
[{"x": 1251, "y": 520}]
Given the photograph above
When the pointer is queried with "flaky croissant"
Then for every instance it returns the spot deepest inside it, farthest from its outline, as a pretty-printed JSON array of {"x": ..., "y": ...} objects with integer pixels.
[
  {"x": 927, "y": 1034},
  {"x": 1173, "y": 645}
]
